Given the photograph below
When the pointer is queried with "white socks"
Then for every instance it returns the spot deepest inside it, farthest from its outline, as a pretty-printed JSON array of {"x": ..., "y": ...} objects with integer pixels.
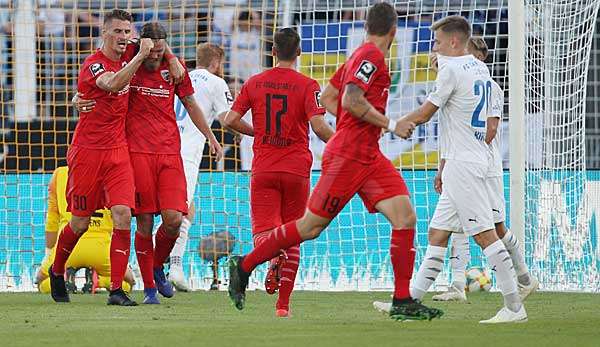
[
  {"x": 499, "y": 259},
  {"x": 460, "y": 257},
  {"x": 513, "y": 246},
  {"x": 428, "y": 271},
  {"x": 176, "y": 255}
]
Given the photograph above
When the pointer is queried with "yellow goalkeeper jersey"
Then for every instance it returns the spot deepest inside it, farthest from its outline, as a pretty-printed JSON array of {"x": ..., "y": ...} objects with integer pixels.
[{"x": 101, "y": 223}]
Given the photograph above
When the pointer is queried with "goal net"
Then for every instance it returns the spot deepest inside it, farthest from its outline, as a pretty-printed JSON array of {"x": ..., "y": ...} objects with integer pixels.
[{"x": 44, "y": 42}]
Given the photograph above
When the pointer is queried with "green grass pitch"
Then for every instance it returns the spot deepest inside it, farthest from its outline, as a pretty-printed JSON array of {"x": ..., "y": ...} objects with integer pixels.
[{"x": 319, "y": 319}]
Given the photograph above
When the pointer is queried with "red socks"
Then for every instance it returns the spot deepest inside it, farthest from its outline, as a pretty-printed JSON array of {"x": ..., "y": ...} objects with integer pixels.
[
  {"x": 282, "y": 237},
  {"x": 288, "y": 277},
  {"x": 144, "y": 251},
  {"x": 64, "y": 246},
  {"x": 120, "y": 244},
  {"x": 402, "y": 255},
  {"x": 164, "y": 246}
]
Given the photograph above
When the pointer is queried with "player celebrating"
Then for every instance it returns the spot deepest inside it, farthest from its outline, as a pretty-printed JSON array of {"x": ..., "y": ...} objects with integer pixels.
[
  {"x": 460, "y": 254},
  {"x": 283, "y": 103},
  {"x": 463, "y": 91},
  {"x": 100, "y": 169},
  {"x": 92, "y": 250},
  {"x": 214, "y": 98},
  {"x": 154, "y": 146},
  {"x": 352, "y": 162}
]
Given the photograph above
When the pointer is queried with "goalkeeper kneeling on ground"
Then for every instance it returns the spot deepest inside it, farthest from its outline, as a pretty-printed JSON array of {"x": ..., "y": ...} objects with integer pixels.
[{"x": 92, "y": 250}]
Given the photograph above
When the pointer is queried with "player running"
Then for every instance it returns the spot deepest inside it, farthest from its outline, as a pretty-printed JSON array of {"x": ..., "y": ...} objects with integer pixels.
[
  {"x": 463, "y": 93},
  {"x": 460, "y": 254},
  {"x": 214, "y": 98},
  {"x": 283, "y": 103},
  {"x": 154, "y": 146},
  {"x": 92, "y": 250},
  {"x": 353, "y": 163},
  {"x": 98, "y": 158}
]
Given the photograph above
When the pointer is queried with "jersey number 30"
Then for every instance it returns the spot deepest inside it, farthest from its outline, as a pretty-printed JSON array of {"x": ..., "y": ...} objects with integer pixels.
[{"x": 484, "y": 91}]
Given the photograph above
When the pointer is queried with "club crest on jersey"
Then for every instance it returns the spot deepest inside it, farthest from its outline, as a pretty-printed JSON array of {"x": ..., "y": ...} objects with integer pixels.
[
  {"x": 228, "y": 97},
  {"x": 318, "y": 98},
  {"x": 96, "y": 69},
  {"x": 165, "y": 75},
  {"x": 365, "y": 71}
]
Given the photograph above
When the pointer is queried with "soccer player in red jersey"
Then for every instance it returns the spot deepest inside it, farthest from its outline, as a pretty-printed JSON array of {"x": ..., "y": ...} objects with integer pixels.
[
  {"x": 100, "y": 170},
  {"x": 154, "y": 146},
  {"x": 283, "y": 103},
  {"x": 352, "y": 163}
]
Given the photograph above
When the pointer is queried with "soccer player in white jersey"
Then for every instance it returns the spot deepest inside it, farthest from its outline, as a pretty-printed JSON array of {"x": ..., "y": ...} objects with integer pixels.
[
  {"x": 462, "y": 95},
  {"x": 214, "y": 98},
  {"x": 460, "y": 255}
]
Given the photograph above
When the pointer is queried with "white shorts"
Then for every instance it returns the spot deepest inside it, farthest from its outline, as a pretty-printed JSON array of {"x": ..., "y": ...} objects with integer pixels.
[
  {"x": 464, "y": 205},
  {"x": 191, "y": 167},
  {"x": 495, "y": 187}
]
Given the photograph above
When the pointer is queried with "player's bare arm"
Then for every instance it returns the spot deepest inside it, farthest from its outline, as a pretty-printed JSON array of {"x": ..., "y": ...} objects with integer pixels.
[
  {"x": 115, "y": 81},
  {"x": 321, "y": 127},
  {"x": 189, "y": 102},
  {"x": 81, "y": 104},
  {"x": 234, "y": 121},
  {"x": 329, "y": 99},
  {"x": 437, "y": 181},
  {"x": 491, "y": 129},
  {"x": 354, "y": 101},
  {"x": 176, "y": 69},
  {"x": 421, "y": 115}
]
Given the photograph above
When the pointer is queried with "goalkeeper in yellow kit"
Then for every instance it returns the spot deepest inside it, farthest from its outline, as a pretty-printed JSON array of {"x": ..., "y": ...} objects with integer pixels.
[{"x": 92, "y": 250}]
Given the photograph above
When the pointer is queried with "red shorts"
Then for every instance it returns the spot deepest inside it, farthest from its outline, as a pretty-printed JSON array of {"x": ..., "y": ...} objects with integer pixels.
[
  {"x": 277, "y": 198},
  {"x": 341, "y": 178},
  {"x": 159, "y": 183},
  {"x": 98, "y": 178}
]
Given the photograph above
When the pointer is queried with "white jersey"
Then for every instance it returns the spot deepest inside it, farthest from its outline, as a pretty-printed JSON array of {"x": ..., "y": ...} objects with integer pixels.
[
  {"x": 463, "y": 92},
  {"x": 213, "y": 96},
  {"x": 496, "y": 106}
]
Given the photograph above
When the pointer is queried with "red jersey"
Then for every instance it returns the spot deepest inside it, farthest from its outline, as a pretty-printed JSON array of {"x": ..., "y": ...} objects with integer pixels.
[
  {"x": 151, "y": 124},
  {"x": 354, "y": 138},
  {"x": 282, "y": 102},
  {"x": 104, "y": 126}
]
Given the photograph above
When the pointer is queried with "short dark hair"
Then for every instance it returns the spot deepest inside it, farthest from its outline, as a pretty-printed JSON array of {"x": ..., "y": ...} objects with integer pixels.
[
  {"x": 207, "y": 52},
  {"x": 454, "y": 25},
  {"x": 381, "y": 18},
  {"x": 478, "y": 44},
  {"x": 118, "y": 14},
  {"x": 286, "y": 42},
  {"x": 153, "y": 30}
]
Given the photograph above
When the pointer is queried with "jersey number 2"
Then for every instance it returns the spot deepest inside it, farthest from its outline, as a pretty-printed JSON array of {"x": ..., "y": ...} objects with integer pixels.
[
  {"x": 484, "y": 90},
  {"x": 278, "y": 114}
]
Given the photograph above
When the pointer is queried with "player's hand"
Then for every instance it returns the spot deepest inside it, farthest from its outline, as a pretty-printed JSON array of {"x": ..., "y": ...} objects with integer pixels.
[
  {"x": 437, "y": 182},
  {"x": 433, "y": 61},
  {"x": 83, "y": 105},
  {"x": 176, "y": 71},
  {"x": 216, "y": 149},
  {"x": 404, "y": 129},
  {"x": 146, "y": 45}
]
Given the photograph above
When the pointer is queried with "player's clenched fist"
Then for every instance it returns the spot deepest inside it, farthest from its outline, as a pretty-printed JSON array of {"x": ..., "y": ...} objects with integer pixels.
[
  {"x": 404, "y": 129},
  {"x": 146, "y": 45}
]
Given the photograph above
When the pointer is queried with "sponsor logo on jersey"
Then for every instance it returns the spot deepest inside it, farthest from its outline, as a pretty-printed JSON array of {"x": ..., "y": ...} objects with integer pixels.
[
  {"x": 228, "y": 97},
  {"x": 96, "y": 69},
  {"x": 161, "y": 93},
  {"x": 318, "y": 98},
  {"x": 365, "y": 71},
  {"x": 165, "y": 75}
]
